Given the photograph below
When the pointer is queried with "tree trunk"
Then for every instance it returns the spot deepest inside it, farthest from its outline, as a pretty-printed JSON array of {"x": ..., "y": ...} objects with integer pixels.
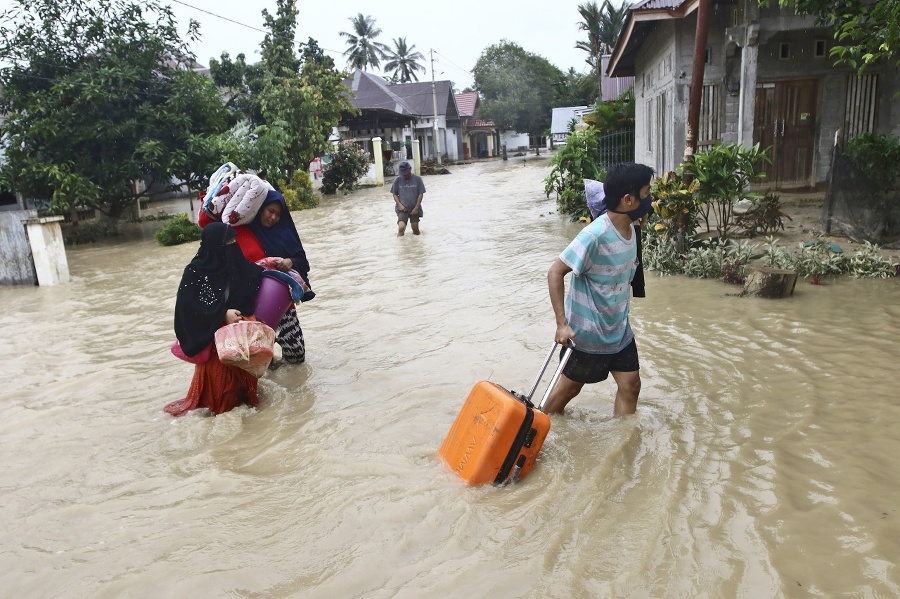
[{"x": 770, "y": 283}]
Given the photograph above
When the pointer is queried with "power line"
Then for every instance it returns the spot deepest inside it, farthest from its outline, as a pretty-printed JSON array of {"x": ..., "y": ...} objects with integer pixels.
[
  {"x": 212, "y": 14},
  {"x": 467, "y": 72}
]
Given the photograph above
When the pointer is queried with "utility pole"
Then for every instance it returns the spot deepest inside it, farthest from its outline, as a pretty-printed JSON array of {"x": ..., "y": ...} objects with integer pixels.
[
  {"x": 696, "y": 97},
  {"x": 437, "y": 141}
]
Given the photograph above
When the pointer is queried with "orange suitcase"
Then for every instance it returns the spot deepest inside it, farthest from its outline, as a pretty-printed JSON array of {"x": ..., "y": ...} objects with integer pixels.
[{"x": 498, "y": 433}]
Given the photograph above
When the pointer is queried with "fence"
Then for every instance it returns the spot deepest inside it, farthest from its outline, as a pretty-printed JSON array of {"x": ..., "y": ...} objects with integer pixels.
[{"x": 617, "y": 147}]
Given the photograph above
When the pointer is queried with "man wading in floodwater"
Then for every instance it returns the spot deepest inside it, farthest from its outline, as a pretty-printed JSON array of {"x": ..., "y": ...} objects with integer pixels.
[{"x": 407, "y": 190}]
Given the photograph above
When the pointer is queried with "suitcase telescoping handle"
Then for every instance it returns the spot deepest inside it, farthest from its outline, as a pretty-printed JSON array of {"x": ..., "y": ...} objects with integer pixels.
[{"x": 562, "y": 364}]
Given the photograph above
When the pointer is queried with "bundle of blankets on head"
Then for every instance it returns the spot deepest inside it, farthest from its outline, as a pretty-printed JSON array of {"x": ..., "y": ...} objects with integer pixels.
[{"x": 234, "y": 197}]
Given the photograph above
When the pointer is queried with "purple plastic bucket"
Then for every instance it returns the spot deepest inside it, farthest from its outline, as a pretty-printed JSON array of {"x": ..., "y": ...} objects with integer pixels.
[{"x": 272, "y": 301}]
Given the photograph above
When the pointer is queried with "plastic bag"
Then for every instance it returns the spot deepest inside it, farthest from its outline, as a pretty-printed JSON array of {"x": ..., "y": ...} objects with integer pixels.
[{"x": 247, "y": 344}]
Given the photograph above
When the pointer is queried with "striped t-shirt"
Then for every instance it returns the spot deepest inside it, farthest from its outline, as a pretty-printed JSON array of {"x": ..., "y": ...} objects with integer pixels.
[{"x": 603, "y": 264}]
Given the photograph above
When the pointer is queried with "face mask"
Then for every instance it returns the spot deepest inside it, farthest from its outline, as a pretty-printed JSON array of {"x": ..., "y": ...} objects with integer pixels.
[{"x": 645, "y": 207}]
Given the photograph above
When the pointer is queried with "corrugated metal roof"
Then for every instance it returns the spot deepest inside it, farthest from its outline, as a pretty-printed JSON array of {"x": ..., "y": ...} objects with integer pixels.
[{"x": 656, "y": 5}]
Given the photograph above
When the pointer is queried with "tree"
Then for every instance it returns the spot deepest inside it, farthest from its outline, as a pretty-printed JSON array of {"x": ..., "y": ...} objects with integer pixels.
[
  {"x": 99, "y": 97},
  {"x": 577, "y": 89},
  {"x": 866, "y": 31},
  {"x": 603, "y": 25},
  {"x": 363, "y": 51},
  {"x": 290, "y": 101},
  {"x": 310, "y": 104},
  {"x": 518, "y": 87},
  {"x": 403, "y": 62}
]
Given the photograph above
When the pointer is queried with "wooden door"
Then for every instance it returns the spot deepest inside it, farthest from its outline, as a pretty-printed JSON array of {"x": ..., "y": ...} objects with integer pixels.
[{"x": 785, "y": 121}]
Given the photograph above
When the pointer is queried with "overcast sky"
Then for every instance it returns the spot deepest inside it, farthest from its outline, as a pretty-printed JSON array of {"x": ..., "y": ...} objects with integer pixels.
[{"x": 457, "y": 31}]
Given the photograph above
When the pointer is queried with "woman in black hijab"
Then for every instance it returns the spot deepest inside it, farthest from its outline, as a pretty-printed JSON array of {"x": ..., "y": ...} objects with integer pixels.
[{"x": 218, "y": 287}]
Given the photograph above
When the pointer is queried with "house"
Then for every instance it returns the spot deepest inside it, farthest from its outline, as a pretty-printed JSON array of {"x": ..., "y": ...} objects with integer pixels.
[
  {"x": 400, "y": 112},
  {"x": 768, "y": 80},
  {"x": 560, "y": 119},
  {"x": 480, "y": 139}
]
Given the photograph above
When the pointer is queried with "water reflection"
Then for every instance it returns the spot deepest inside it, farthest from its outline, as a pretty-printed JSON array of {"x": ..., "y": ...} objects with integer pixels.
[{"x": 760, "y": 463}]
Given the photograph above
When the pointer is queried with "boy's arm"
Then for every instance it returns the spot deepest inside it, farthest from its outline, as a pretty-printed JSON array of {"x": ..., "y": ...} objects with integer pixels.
[{"x": 556, "y": 284}]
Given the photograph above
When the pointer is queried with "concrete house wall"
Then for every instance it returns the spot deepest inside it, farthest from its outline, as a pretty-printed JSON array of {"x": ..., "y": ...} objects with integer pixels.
[{"x": 748, "y": 49}]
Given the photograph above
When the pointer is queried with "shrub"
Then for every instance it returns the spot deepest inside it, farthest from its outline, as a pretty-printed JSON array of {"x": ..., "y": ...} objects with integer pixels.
[
  {"x": 299, "y": 194},
  {"x": 725, "y": 171},
  {"x": 90, "y": 232},
  {"x": 660, "y": 254},
  {"x": 674, "y": 206},
  {"x": 178, "y": 230},
  {"x": 348, "y": 164},
  {"x": 867, "y": 262},
  {"x": 876, "y": 157},
  {"x": 766, "y": 216},
  {"x": 573, "y": 163}
]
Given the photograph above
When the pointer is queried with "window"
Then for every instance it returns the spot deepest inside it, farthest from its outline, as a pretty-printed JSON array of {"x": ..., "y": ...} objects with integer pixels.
[
  {"x": 785, "y": 51},
  {"x": 708, "y": 127},
  {"x": 662, "y": 125},
  {"x": 859, "y": 110},
  {"x": 820, "y": 48}
]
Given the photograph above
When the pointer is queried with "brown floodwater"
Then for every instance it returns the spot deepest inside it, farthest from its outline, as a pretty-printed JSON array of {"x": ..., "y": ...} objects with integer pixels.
[{"x": 762, "y": 461}]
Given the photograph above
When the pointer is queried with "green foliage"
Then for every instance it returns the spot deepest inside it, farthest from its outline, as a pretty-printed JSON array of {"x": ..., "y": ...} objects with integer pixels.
[
  {"x": 403, "y": 61},
  {"x": 348, "y": 164},
  {"x": 90, "y": 232},
  {"x": 97, "y": 96},
  {"x": 660, "y": 254},
  {"x": 517, "y": 87},
  {"x": 675, "y": 206},
  {"x": 776, "y": 256},
  {"x": 705, "y": 261},
  {"x": 613, "y": 115},
  {"x": 178, "y": 230},
  {"x": 877, "y": 158},
  {"x": 866, "y": 31},
  {"x": 720, "y": 259},
  {"x": 299, "y": 194},
  {"x": 574, "y": 162},
  {"x": 602, "y": 24},
  {"x": 868, "y": 263},
  {"x": 265, "y": 147},
  {"x": 576, "y": 89},
  {"x": 816, "y": 260},
  {"x": 362, "y": 49},
  {"x": 724, "y": 172},
  {"x": 295, "y": 100},
  {"x": 765, "y": 216}
]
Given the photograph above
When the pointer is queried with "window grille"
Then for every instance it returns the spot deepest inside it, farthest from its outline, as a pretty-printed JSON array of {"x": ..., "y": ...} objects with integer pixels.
[
  {"x": 708, "y": 127},
  {"x": 859, "y": 110}
]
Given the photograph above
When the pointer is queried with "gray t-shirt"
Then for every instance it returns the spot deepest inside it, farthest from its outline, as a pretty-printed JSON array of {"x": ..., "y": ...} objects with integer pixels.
[{"x": 408, "y": 191}]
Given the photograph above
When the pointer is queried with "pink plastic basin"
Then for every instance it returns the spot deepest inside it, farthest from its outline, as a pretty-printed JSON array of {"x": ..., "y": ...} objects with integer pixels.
[{"x": 272, "y": 300}]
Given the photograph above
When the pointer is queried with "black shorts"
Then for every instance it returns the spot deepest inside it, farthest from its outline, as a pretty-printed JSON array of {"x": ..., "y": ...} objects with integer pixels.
[{"x": 593, "y": 368}]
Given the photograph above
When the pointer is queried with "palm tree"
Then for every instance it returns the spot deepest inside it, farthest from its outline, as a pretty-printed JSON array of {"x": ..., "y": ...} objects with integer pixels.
[
  {"x": 611, "y": 21},
  {"x": 363, "y": 51},
  {"x": 403, "y": 62},
  {"x": 603, "y": 25},
  {"x": 590, "y": 15}
]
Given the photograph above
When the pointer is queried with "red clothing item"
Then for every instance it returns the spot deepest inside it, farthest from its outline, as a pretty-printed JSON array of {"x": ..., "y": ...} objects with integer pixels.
[
  {"x": 245, "y": 238},
  {"x": 217, "y": 386}
]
